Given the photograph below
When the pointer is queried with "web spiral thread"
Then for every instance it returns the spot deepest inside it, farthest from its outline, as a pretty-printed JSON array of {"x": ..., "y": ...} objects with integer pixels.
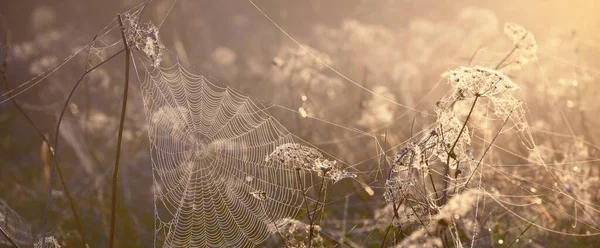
[{"x": 208, "y": 146}]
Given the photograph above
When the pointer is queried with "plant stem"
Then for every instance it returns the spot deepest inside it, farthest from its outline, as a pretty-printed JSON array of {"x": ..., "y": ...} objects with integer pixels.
[
  {"x": 486, "y": 150},
  {"x": 452, "y": 154},
  {"x": 315, "y": 215},
  {"x": 274, "y": 225},
  {"x": 310, "y": 218},
  {"x": 437, "y": 197},
  {"x": 316, "y": 211},
  {"x": 387, "y": 231},
  {"x": 52, "y": 152},
  {"x": 303, "y": 193},
  {"x": 525, "y": 230},
  {"x": 56, "y": 137},
  {"x": 498, "y": 66},
  {"x": 10, "y": 240},
  {"x": 119, "y": 138}
]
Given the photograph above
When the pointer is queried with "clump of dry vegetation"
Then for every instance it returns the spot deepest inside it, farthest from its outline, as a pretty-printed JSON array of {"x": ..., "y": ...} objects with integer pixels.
[{"x": 457, "y": 132}]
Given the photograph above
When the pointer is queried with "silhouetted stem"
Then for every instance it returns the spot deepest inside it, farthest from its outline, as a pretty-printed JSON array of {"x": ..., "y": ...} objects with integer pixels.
[
  {"x": 487, "y": 149},
  {"x": 499, "y": 65},
  {"x": 52, "y": 153},
  {"x": 12, "y": 242},
  {"x": 274, "y": 225},
  {"x": 119, "y": 138},
  {"x": 524, "y": 230},
  {"x": 452, "y": 154},
  {"x": 387, "y": 231},
  {"x": 315, "y": 212}
]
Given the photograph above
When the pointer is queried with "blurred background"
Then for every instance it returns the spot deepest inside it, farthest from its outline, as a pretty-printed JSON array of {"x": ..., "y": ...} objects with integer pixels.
[{"x": 398, "y": 49}]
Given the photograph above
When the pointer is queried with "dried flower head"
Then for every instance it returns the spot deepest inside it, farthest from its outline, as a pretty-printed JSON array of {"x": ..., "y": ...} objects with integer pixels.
[
  {"x": 479, "y": 81},
  {"x": 308, "y": 159},
  {"x": 50, "y": 242},
  {"x": 295, "y": 155},
  {"x": 295, "y": 232},
  {"x": 526, "y": 46}
]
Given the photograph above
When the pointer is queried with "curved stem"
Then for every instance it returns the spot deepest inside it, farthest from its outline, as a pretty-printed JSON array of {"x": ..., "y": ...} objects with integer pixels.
[{"x": 52, "y": 153}]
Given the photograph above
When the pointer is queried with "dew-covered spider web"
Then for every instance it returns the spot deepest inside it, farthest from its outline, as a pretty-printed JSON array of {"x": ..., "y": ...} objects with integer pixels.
[
  {"x": 208, "y": 148},
  {"x": 215, "y": 186},
  {"x": 14, "y": 225}
]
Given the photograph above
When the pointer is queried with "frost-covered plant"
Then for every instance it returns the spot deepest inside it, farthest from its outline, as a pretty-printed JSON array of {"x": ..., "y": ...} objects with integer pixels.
[
  {"x": 525, "y": 45},
  {"x": 303, "y": 158},
  {"x": 456, "y": 208},
  {"x": 50, "y": 242},
  {"x": 295, "y": 233},
  {"x": 421, "y": 238},
  {"x": 470, "y": 83},
  {"x": 308, "y": 159},
  {"x": 448, "y": 144}
]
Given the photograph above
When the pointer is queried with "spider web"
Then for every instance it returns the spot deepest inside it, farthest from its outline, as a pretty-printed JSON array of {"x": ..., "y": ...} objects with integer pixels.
[
  {"x": 208, "y": 147},
  {"x": 204, "y": 183},
  {"x": 15, "y": 226}
]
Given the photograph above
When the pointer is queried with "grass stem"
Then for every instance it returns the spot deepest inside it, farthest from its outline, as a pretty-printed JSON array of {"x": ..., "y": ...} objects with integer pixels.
[
  {"x": 115, "y": 176},
  {"x": 51, "y": 148},
  {"x": 10, "y": 240}
]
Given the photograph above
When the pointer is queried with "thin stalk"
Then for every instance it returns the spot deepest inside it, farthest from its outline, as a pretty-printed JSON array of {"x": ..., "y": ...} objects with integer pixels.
[
  {"x": 52, "y": 153},
  {"x": 389, "y": 176},
  {"x": 387, "y": 231},
  {"x": 274, "y": 225},
  {"x": 316, "y": 211},
  {"x": 415, "y": 213},
  {"x": 343, "y": 236},
  {"x": 56, "y": 138},
  {"x": 474, "y": 54},
  {"x": 452, "y": 154},
  {"x": 55, "y": 147},
  {"x": 310, "y": 218},
  {"x": 445, "y": 242},
  {"x": 430, "y": 176},
  {"x": 315, "y": 215},
  {"x": 119, "y": 138},
  {"x": 499, "y": 65},
  {"x": 446, "y": 175},
  {"x": 395, "y": 210},
  {"x": 487, "y": 149},
  {"x": 525, "y": 230},
  {"x": 10, "y": 240},
  {"x": 303, "y": 193}
]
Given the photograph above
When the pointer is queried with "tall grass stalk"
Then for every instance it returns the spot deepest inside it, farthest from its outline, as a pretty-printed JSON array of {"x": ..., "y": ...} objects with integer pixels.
[
  {"x": 52, "y": 148},
  {"x": 10, "y": 240},
  {"x": 119, "y": 137},
  {"x": 451, "y": 153}
]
